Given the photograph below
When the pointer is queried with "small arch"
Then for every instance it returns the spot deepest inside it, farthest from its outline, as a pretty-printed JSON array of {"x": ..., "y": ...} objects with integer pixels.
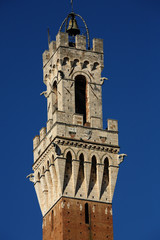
[
  {"x": 65, "y": 61},
  {"x": 58, "y": 61},
  {"x": 75, "y": 63},
  {"x": 86, "y": 213},
  {"x": 95, "y": 65},
  {"x": 110, "y": 159},
  {"x": 84, "y": 154},
  {"x": 71, "y": 151},
  {"x": 55, "y": 96},
  {"x": 94, "y": 154},
  {"x": 38, "y": 176},
  {"x": 68, "y": 170},
  {"x": 93, "y": 175},
  {"x": 47, "y": 165},
  {"x": 80, "y": 178},
  {"x": 105, "y": 180},
  {"x": 85, "y": 64},
  {"x": 43, "y": 170},
  {"x": 52, "y": 159}
]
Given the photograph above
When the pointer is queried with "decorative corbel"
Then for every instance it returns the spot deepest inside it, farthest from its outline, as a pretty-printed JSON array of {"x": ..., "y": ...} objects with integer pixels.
[
  {"x": 121, "y": 158},
  {"x": 102, "y": 80},
  {"x": 31, "y": 177}
]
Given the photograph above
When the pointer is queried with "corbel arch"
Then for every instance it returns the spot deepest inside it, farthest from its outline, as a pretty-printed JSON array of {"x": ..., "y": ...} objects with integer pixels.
[
  {"x": 69, "y": 150},
  {"x": 96, "y": 156},
  {"x": 104, "y": 157},
  {"x": 84, "y": 154}
]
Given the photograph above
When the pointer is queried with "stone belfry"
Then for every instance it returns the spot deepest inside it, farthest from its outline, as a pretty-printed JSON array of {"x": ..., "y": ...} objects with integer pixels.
[{"x": 76, "y": 161}]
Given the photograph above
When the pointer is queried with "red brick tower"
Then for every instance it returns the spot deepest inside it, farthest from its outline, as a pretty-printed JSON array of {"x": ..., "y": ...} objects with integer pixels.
[{"x": 76, "y": 162}]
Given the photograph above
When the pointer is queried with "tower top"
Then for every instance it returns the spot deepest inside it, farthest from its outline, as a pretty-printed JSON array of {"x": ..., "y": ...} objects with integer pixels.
[{"x": 70, "y": 26}]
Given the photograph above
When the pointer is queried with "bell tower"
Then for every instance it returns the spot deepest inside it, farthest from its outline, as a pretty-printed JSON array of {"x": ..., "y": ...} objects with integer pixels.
[{"x": 76, "y": 161}]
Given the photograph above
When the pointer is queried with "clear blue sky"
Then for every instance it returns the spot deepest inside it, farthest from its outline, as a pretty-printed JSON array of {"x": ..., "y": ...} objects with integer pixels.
[{"x": 131, "y": 33}]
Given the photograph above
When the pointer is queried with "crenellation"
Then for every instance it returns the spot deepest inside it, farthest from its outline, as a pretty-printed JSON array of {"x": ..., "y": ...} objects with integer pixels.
[
  {"x": 112, "y": 125},
  {"x": 98, "y": 45},
  {"x": 42, "y": 133},
  {"x": 49, "y": 124},
  {"x": 46, "y": 57},
  {"x": 62, "y": 40},
  {"x": 52, "y": 47},
  {"x": 80, "y": 42},
  {"x": 36, "y": 141}
]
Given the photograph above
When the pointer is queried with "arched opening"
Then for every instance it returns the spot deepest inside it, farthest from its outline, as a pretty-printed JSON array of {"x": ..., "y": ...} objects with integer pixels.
[
  {"x": 47, "y": 165},
  {"x": 55, "y": 96},
  {"x": 38, "y": 176},
  {"x": 68, "y": 170},
  {"x": 81, "y": 172},
  {"x": 93, "y": 176},
  {"x": 80, "y": 96},
  {"x": 86, "y": 213},
  {"x": 105, "y": 180}
]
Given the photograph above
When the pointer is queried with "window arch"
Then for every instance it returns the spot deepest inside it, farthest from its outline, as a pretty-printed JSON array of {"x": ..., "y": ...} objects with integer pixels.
[
  {"x": 68, "y": 170},
  {"x": 105, "y": 180},
  {"x": 55, "y": 96},
  {"x": 93, "y": 176},
  {"x": 47, "y": 165},
  {"x": 81, "y": 172},
  {"x": 38, "y": 176},
  {"x": 80, "y": 96}
]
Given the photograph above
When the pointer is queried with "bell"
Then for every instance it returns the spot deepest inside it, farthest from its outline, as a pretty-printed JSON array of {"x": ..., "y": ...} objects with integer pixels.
[{"x": 73, "y": 29}]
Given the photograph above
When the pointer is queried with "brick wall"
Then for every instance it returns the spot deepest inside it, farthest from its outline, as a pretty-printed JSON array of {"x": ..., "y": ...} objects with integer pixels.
[{"x": 67, "y": 221}]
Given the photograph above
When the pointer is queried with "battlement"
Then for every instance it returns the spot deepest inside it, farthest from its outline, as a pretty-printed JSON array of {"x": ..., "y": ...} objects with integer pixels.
[
  {"x": 76, "y": 131},
  {"x": 62, "y": 40}
]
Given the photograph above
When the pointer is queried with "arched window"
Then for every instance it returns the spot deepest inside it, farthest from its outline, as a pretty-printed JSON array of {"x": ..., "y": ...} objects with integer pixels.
[
  {"x": 93, "y": 176},
  {"x": 105, "y": 180},
  {"x": 47, "y": 165},
  {"x": 68, "y": 170},
  {"x": 81, "y": 172},
  {"x": 80, "y": 96},
  {"x": 38, "y": 176},
  {"x": 55, "y": 96},
  {"x": 86, "y": 213}
]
